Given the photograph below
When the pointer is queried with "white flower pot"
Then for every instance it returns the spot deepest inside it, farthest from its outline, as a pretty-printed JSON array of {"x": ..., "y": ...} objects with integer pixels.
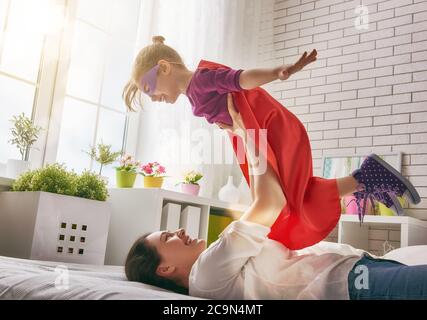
[
  {"x": 229, "y": 193},
  {"x": 52, "y": 227},
  {"x": 16, "y": 167}
]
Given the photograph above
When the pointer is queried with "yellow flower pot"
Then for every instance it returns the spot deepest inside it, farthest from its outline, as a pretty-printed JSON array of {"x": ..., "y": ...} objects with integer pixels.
[
  {"x": 153, "y": 182},
  {"x": 384, "y": 211}
]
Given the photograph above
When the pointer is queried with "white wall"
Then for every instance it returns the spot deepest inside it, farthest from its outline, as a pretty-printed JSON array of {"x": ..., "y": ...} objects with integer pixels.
[{"x": 367, "y": 92}]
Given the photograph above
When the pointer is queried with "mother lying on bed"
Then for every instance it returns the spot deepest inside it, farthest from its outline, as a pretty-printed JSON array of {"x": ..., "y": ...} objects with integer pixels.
[{"x": 245, "y": 264}]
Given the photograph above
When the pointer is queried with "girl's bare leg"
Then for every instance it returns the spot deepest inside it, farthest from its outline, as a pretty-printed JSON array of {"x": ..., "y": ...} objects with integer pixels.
[{"x": 346, "y": 185}]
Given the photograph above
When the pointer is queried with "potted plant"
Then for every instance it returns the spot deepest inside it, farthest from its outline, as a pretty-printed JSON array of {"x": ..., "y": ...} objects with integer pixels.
[
  {"x": 56, "y": 215},
  {"x": 24, "y": 135},
  {"x": 153, "y": 174},
  {"x": 126, "y": 172},
  {"x": 103, "y": 155},
  {"x": 190, "y": 183}
]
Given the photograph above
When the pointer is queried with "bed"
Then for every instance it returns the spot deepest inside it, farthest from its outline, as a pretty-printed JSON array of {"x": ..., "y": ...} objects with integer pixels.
[
  {"x": 44, "y": 280},
  {"x": 30, "y": 279}
]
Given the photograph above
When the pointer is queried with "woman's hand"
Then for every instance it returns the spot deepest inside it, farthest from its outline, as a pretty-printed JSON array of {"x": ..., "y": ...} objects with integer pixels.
[
  {"x": 284, "y": 72},
  {"x": 238, "y": 127}
]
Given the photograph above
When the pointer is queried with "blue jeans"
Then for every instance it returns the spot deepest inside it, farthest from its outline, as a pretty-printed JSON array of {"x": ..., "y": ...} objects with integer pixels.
[{"x": 382, "y": 279}]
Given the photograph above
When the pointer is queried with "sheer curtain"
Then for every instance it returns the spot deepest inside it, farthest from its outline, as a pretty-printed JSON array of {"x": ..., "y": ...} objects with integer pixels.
[{"x": 224, "y": 31}]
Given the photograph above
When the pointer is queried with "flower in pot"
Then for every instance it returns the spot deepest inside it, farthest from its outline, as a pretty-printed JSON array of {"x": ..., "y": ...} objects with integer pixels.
[
  {"x": 126, "y": 172},
  {"x": 103, "y": 155},
  {"x": 153, "y": 174},
  {"x": 24, "y": 135},
  {"x": 190, "y": 184}
]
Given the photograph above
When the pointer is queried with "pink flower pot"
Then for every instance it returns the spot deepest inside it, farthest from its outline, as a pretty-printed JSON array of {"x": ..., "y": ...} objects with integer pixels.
[
  {"x": 190, "y": 188},
  {"x": 351, "y": 206}
]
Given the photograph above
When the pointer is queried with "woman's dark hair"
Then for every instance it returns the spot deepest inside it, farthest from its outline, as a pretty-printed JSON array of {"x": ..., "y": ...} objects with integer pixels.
[{"x": 141, "y": 265}]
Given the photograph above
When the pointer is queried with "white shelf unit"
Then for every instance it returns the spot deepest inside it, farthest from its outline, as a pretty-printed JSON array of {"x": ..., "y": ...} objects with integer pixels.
[
  {"x": 137, "y": 211},
  {"x": 349, "y": 231}
]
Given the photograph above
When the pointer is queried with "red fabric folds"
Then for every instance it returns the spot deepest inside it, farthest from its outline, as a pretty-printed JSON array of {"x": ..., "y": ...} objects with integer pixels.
[{"x": 313, "y": 203}]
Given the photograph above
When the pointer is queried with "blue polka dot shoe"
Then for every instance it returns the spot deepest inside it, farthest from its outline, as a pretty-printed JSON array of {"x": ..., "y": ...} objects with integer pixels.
[{"x": 379, "y": 181}]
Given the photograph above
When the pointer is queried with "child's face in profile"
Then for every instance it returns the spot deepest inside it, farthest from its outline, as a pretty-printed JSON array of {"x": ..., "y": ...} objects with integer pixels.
[{"x": 160, "y": 83}]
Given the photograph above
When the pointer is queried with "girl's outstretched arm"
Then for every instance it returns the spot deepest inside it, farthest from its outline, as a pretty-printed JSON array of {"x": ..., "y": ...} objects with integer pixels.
[{"x": 253, "y": 78}]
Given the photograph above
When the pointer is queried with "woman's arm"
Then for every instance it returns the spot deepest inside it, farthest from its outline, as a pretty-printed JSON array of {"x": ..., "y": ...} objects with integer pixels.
[
  {"x": 268, "y": 197},
  {"x": 253, "y": 78}
]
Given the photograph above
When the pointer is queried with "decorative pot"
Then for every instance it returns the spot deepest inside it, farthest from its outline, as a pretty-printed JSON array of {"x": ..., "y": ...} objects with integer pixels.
[
  {"x": 153, "y": 182},
  {"x": 125, "y": 179},
  {"x": 229, "y": 193},
  {"x": 190, "y": 188},
  {"x": 16, "y": 167}
]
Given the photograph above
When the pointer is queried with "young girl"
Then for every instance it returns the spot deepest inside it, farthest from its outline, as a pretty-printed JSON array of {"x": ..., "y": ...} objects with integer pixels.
[
  {"x": 312, "y": 203},
  {"x": 244, "y": 264}
]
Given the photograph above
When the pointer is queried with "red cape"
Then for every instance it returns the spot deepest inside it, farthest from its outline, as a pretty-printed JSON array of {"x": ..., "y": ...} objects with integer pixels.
[{"x": 313, "y": 203}]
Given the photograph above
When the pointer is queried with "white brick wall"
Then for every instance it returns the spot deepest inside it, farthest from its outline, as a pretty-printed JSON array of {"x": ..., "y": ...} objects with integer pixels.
[{"x": 367, "y": 92}]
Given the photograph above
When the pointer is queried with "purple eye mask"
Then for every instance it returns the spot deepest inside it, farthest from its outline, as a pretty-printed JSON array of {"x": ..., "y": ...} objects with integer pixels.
[{"x": 150, "y": 79}]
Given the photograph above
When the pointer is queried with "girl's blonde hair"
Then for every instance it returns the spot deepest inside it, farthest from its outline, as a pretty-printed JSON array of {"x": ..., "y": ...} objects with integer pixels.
[{"x": 146, "y": 59}]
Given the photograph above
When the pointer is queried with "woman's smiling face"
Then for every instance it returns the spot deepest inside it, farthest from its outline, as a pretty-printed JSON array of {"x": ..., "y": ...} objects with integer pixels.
[{"x": 176, "y": 248}]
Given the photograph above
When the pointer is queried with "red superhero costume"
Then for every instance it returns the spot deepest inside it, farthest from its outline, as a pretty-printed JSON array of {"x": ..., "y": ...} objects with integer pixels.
[{"x": 313, "y": 203}]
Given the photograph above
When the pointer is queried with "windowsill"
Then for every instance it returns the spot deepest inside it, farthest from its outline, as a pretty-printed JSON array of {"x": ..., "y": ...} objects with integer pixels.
[{"x": 5, "y": 183}]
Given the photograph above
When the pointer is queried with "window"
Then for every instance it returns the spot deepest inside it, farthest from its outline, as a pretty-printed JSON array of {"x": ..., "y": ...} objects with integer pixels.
[
  {"x": 21, "y": 47},
  {"x": 103, "y": 44},
  {"x": 69, "y": 81}
]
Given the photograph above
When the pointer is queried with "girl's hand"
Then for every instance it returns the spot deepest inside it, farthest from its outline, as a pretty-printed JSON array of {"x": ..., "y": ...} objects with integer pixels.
[
  {"x": 284, "y": 72},
  {"x": 238, "y": 127}
]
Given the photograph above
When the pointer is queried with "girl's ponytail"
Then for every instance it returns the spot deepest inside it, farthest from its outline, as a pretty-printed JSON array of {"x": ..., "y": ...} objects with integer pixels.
[{"x": 132, "y": 96}]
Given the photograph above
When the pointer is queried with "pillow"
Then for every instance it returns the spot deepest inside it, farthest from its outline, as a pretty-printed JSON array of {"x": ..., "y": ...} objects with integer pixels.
[{"x": 413, "y": 255}]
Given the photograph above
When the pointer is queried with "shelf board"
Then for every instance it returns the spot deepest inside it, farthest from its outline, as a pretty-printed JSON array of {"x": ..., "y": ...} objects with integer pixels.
[
  {"x": 384, "y": 220},
  {"x": 183, "y": 197}
]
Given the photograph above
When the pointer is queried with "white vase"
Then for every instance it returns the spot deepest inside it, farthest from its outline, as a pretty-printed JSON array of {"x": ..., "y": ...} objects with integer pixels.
[
  {"x": 16, "y": 167},
  {"x": 229, "y": 193},
  {"x": 245, "y": 193}
]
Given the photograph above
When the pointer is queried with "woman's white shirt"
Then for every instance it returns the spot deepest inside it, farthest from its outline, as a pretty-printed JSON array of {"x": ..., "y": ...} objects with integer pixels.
[{"x": 245, "y": 264}]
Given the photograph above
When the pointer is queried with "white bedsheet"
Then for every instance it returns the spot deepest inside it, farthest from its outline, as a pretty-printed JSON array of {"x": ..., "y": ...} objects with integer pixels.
[{"x": 30, "y": 279}]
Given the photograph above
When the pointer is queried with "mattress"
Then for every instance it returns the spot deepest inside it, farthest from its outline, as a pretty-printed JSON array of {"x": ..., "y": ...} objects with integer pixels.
[{"x": 44, "y": 280}]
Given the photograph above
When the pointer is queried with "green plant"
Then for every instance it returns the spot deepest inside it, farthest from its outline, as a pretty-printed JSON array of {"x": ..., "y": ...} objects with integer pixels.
[
  {"x": 90, "y": 186},
  {"x": 103, "y": 155},
  {"x": 23, "y": 183},
  {"x": 55, "y": 178},
  {"x": 24, "y": 133},
  {"x": 192, "y": 177}
]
